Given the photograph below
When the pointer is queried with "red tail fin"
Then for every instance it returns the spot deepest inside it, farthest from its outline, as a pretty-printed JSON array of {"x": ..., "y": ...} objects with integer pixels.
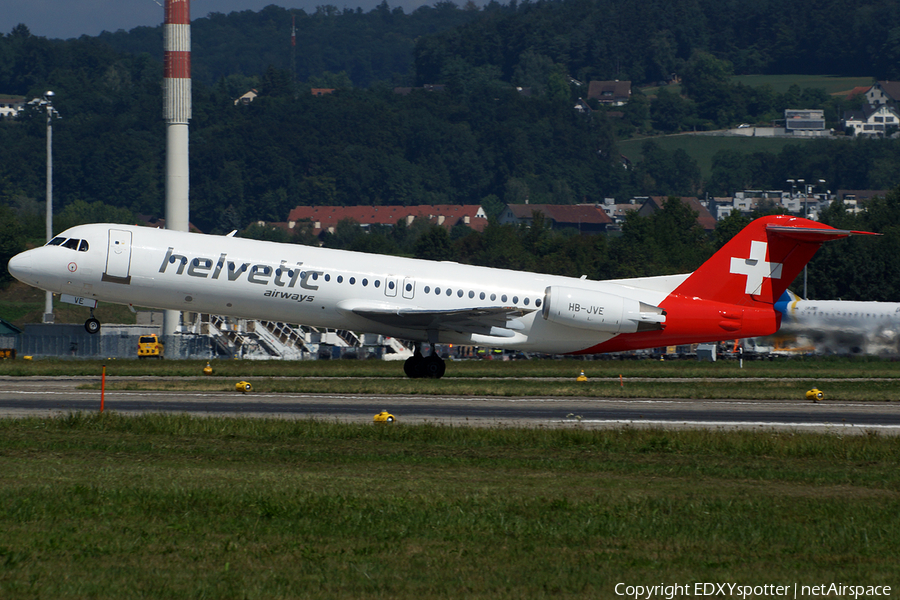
[{"x": 760, "y": 262}]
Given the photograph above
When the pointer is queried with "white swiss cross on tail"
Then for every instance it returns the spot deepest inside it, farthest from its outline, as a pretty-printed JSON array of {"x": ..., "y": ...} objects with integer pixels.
[{"x": 755, "y": 267}]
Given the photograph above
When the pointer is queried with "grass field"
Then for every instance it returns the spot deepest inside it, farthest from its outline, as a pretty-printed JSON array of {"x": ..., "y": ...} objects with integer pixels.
[
  {"x": 702, "y": 148},
  {"x": 180, "y": 507},
  {"x": 781, "y": 83}
]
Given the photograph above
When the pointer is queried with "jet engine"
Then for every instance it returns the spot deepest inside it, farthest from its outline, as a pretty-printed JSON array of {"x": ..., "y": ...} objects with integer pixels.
[{"x": 598, "y": 311}]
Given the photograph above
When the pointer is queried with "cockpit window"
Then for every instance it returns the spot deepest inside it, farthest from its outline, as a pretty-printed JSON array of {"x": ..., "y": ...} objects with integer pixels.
[{"x": 72, "y": 243}]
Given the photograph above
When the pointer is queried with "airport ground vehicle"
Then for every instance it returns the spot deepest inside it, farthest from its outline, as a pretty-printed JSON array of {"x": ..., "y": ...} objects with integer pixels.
[{"x": 149, "y": 346}]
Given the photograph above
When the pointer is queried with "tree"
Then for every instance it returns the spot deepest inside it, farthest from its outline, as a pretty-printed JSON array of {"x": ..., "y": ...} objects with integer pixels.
[
  {"x": 434, "y": 244},
  {"x": 12, "y": 241},
  {"x": 704, "y": 74},
  {"x": 669, "y": 111},
  {"x": 81, "y": 212}
]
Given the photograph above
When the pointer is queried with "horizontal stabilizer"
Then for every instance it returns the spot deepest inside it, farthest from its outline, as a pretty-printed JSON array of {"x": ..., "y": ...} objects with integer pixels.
[{"x": 813, "y": 234}]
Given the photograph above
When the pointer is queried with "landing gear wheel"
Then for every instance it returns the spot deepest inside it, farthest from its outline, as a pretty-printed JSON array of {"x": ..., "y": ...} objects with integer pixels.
[
  {"x": 434, "y": 367},
  {"x": 413, "y": 367},
  {"x": 419, "y": 367},
  {"x": 92, "y": 325}
]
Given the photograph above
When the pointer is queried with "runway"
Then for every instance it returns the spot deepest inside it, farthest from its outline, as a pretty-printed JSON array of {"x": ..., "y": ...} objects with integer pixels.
[{"x": 58, "y": 395}]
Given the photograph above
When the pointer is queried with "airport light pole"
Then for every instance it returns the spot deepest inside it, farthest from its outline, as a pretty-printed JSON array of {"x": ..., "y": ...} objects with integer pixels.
[
  {"x": 808, "y": 187},
  {"x": 46, "y": 103}
]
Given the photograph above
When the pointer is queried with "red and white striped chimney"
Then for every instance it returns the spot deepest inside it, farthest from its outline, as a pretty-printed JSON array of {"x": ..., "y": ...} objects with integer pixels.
[
  {"x": 177, "y": 45},
  {"x": 177, "y": 113}
]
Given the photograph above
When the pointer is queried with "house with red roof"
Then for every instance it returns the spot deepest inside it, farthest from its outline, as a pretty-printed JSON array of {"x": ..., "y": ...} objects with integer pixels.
[
  {"x": 704, "y": 218},
  {"x": 884, "y": 92},
  {"x": 326, "y": 218},
  {"x": 586, "y": 218},
  {"x": 610, "y": 93}
]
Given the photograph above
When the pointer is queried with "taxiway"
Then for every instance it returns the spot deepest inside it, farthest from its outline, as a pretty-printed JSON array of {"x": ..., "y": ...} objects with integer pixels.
[{"x": 58, "y": 395}]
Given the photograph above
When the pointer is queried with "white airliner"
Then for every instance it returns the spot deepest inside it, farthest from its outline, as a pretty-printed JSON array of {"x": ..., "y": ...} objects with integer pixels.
[
  {"x": 730, "y": 296},
  {"x": 841, "y": 326}
]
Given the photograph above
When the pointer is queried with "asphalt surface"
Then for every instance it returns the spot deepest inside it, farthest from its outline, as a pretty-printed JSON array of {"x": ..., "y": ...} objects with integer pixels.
[{"x": 58, "y": 395}]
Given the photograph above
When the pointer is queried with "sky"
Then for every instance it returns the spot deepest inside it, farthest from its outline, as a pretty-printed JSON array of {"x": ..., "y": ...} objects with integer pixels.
[{"x": 73, "y": 18}]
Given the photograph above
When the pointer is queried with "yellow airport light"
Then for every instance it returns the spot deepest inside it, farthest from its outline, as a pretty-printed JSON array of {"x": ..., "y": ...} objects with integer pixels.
[
  {"x": 243, "y": 386},
  {"x": 815, "y": 395},
  {"x": 384, "y": 417},
  {"x": 582, "y": 377},
  {"x": 207, "y": 370}
]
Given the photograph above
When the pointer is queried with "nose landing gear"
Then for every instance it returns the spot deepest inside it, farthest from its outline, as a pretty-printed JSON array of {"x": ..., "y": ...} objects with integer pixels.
[
  {"x": 418, "y": 366},
  {"x": 92, "y": 325}
]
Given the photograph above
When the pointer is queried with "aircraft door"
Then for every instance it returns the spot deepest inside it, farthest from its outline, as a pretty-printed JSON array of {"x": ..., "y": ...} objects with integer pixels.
[
  {"x": 118, "y": 257},
  {"x": 409, "y": 288}
]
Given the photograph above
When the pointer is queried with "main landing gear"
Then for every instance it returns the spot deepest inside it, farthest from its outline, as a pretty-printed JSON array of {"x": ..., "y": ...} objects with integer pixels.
[
  {"x": 424, "y": 367},
  {"x": 92, "y": 325}
]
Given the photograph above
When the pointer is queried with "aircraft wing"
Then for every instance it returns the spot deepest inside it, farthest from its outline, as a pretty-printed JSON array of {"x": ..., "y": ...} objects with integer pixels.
[{"x": 499, "y": 321}]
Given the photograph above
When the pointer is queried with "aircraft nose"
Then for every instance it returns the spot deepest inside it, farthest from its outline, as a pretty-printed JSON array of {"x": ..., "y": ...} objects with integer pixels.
[{"x": 21, "y": 266}]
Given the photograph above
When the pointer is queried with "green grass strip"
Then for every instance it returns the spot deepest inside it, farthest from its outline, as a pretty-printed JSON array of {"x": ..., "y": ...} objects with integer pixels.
[{"x": 156, "y": 506}]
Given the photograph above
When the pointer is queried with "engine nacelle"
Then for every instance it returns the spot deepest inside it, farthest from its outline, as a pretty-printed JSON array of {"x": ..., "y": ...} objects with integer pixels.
[{"x": 598, "y": 311}]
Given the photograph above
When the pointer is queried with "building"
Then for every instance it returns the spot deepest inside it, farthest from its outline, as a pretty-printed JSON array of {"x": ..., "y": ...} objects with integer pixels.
[
  {"x": 586, "y": 218},
  {"x": 610, "y": 93},
  {"x": 615, "y": 211},
  {"x": 11, "y": 105},
  {"x": 246, "y": 98},
  {"x": 655, "y": 203},
  {"x": 855, "y": 200},
  {"x": 325, "y": 218},
  {"x": 872, "y": 119},
  {"x": 884, "y": 92},
  {"x": 804, "y": 122}
]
